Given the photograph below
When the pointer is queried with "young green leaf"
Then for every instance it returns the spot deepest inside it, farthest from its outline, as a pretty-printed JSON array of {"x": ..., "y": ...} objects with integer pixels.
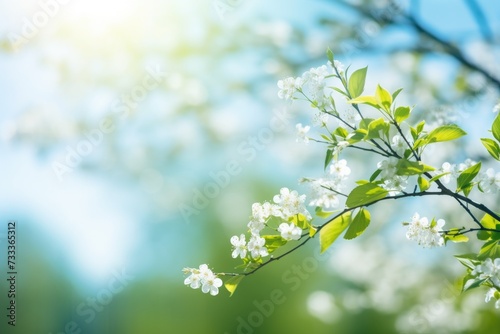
[
  {"x": 423, "y": 184},
  {"x": 401, "y": 114},
  {"x": 357, "y": 82},
  {"x": 232, "y": 283},
  {"x": 408, "y": 167},
  {"x": 369, "y": 100},
  {"x": 328, "y": 157},
  {"x": 396, "y": 93},
  {"x": 384, "y": 98},
  {"x": 495, "y": 129},
  {"x": 333, "y": 229},
  {"x": 492, "y": 147},
  {"x": 376, "y": 128},
  {"x": 456, "y": 238},
  {"x": 341, "y": 132},
  {"x": 468, "y": 260},
  {"x": 490, "y": 249},
  {"x": 273, "y": 242},
  {"x": 444, "y": 133},
  {"x": 465, "y": 178},
  {"x": 329, "y": 55},
  {"x": 473, "y": 283},
  {"x": 358, "y": 225},
  {"x": 365, "y": 194},
  {"x": 321, "y": 213}
]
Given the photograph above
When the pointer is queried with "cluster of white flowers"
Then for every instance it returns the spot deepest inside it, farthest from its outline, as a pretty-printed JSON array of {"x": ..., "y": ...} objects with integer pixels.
[
  {"x": 203, "y": 277},
  {"x": 489, "y": 181},
  {"x": 286, "y": 205},
  {"x": 425, "y": 233},
  {"x": 324, "y": 190},
  {"x": 454, "y": 170},
  {"x": 313, "y": 80},
  {"x": 288, "y": 87},
  {"x": 395, "y": 184},
  {"x": 490, "y": 269}
]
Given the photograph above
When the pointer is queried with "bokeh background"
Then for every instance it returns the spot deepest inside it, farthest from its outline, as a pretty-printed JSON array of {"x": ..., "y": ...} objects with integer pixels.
[{"x": 68, "y": 69}]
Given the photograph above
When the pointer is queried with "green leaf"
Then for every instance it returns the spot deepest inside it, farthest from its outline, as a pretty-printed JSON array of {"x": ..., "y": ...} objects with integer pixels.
[
  {"x": 341, "y": 132},
  {"x": 321, "y": 213},
  {"x": 490, "y": 249},
  {"x": 492, "y": 147},
  {"x": 456, "y": 238},
  {"x": 416, "y": 131},
  {"x": 358, "y": 225},
  {"x": 423, "y": 184},
  {"x": 365, "y": 194},
  {"x": 401, "y": 114},
  {"x": 357, "y": 135},
  {"x": 473, "y": 283},
  {"x": 396, "y": 93},
  {"x": 375, "y": 128},
  {"x": 232, "y": 283},
  {"x": 365, "y": 122},
  {"x": 325, "y": 137},
  {"x": 465, "y": 178},
  {"x": 369, "y": 100},
  {"x": 273, "y": 242},
  {"x": 468, "y": 260},
  {"x": 333, "y": 229},
  {"x": 328, "y": 157},
  {"x": 444, "y": 133},
  {"x": 420, "y": 127},
  {"x": 383, "y": 97},
  {"x": 357, "y": 82},
  {"x": 495, "y": 128},
  {"x": 407, "y": 167},
  {"x": 375, "y": 175},
  {"x": 329, "y": 55},
  {"x": 340, "y": 91},
  {"x": 437, "y": 177},
  {"x": 490, "y": 223}
]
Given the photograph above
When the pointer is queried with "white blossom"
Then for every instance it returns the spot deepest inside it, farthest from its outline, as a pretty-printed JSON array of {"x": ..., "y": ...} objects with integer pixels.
[
  {"x": 211, "y": 284},
  {"x": 203, "y": 277},
  {"x": 446, "y": 167},
  {"x": 302, "y": 132},
  {"x": 315, "y": 81},
  {"x": 489, "y": 181},
  {"x": 398, "y": 145},
  {"x": 288, "y": 87},
  {"x": 239, "y": 245},
  {"x": 488, "y": 269},
  {"x": 425, "y": 233},
  {"x": 339, "y": 170},
  {"x": 388, "y": 167},
  {"x": 193, "y": 280},
  {"x": 256, "y": 247},
  {"x": 395, "y": 185},
  {"x": 290, "y": 231},
  {"x": 322, "y": 196},
  {"x": 291, "y": 203}
]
